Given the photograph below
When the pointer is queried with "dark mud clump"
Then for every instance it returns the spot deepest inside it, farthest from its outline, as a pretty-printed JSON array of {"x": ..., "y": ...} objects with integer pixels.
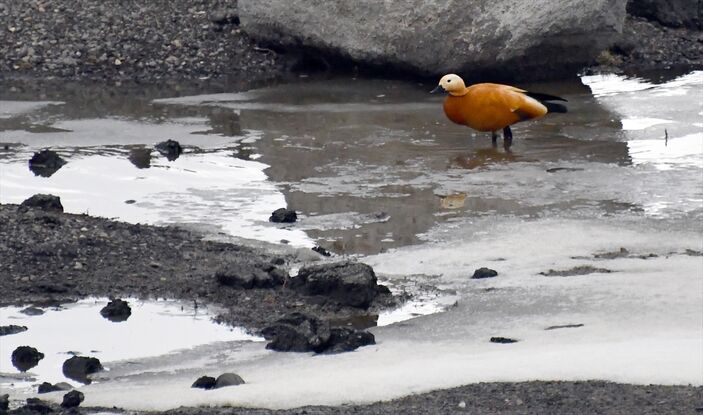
[
  {"x": 116, "y": 310},
  {"x": 79, "y": 368},
  {"x": 44, "y": 202},
  {"x": 502, "y": 340},
  {"x": 11, "y": 329},
  {"x": 298, "y": 332},
  {"x": 26, "y": 357},
  {"x": 45, "y": 163},
  {"x": 283, "y": 215},
  {"x": 484, "y": 273},
  {"x": 170, "y": 149},
  {"x": 575, "y": 271}
]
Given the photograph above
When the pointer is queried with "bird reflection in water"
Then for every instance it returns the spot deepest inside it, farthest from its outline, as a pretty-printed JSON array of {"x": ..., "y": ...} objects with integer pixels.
[{"x": 482, "y": 158}]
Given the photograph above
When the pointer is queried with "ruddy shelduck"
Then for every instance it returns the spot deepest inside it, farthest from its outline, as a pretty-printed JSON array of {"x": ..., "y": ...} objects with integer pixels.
[{"x": 493, "y": 107}]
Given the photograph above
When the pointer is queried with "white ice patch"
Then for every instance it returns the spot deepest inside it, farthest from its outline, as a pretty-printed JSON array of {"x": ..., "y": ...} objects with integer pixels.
[
  {"x": 9, "y": 109},
  {"x": 641, "y": 323},
  {"x": 210, "y": 189},
  {"x": 668, "y": 154},
  {"x": 642, "y": 123}
]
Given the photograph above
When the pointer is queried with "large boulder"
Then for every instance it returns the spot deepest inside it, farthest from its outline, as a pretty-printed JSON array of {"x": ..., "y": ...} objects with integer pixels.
[
  {"x": 674, "y": 13},
  {"x": 506, "y": 38},
  {"x": 348, "y": 283}
]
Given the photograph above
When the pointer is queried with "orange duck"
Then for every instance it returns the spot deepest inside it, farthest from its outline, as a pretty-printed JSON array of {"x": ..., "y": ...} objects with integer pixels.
[{"x": 492, "y": 107}]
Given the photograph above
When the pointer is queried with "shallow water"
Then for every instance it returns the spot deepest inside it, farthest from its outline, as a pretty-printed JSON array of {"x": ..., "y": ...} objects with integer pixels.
[{"x": 374, "y": 169}]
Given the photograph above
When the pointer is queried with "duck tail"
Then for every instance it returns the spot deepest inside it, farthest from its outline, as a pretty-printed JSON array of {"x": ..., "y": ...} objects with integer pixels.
[
  {"x": 551, "y": 106},
  {"x": 554, "y": 107}
]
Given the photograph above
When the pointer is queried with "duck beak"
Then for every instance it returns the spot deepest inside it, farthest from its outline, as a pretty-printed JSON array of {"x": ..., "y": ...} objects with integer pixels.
[{"x": 438, "y": 89}]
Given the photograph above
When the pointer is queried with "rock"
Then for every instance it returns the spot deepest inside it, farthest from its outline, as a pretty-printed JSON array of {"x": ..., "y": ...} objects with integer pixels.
[
  {"x": 322, "y": 251},
  {"x": 578, "y": 270},
  {"x": 45, "y": 202},
  {"x": 298, "y": 332},
  {"x": 11, "y": 329},
  {"x": 4, "y": 402},
  {"x": 72, "y": 399},
  {"x": 249, "y": 276},
  {"x": 484, "y": 273},
  {"x": 228, "y": 379},
  {"x": 26, "y": 357},
  {"x": 35, "y": 406},
  {"x": 116, "y": 310},
  {"x": 140, "y": 157},
  {"x": 348, "y": 283},
  {"x": 45, "y": 163},
  {"x": 204, "y": 382},
  {"x": 503, "y": 340},
  {"x": 47, "y": 387},
  {"x": 170, "y": 149},
  {"x": 224, "y": 16},
  {"x": 674, "y": 13},
  {"x": 283, "y": 215},
  {"x": 32, "y": 311},
  {"x": 565, "y": 326},
  {"x": 537, "y": 39},
  {"x": 79, "y": 367}
]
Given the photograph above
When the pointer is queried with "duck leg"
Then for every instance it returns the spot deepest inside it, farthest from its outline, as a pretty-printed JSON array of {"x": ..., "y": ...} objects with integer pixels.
[
  {"x": 494, "y": 138},
  {"x": 507, "y": 137}
]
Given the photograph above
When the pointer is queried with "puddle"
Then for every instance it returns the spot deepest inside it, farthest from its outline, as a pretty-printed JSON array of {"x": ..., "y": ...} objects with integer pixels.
[{"x": 154, "y": 328}]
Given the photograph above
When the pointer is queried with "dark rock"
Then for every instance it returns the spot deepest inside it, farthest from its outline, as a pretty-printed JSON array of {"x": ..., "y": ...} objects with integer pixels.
[
  {"x": 116, "y": 310},
  {"x": 140, "y": 157},
  {"x": 49, "y": 203},
  {"x": 32, "y": 311},
  {"x": 35, "y": 406},
  {"x": 26, "y": 357},
  {"x": 673, "y": 13},
  {"x": 79, "y": 367},
  {"x": 622, "y": 253},
  {"x": 228, "y": 379},
  {"x": 343, "y": 339},
  {"x": 204, "y": 382},
  {"x": 383, "y": 290},
  {"x": 45, "y": 163},
  {"x": 564, "y": 326},
  {"x": 170, "y": 149},
  {"x": 298, "y": 332},
  {"x": 249, "y": 276},
  {"x": 322, "y": 251},
  {"x": 47, "y": 387},
  {"x": 348, "y": 283},
  {"x": 579, "y": 270},
  {"x": 551, "y": 37},
  {"x": 72, "y": 399},
  {"x": 11, "y": 329},
  {"x": 4, "y": 402},
  {"x": 558, "y": 169},
  {"x": 484, "y": 273},
  {"x": 283, "y": 215},
  {"x": 503, "y": 340}
]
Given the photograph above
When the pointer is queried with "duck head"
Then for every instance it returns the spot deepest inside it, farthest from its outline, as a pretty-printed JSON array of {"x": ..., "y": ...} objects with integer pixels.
[{"x": 452, "y": 84}]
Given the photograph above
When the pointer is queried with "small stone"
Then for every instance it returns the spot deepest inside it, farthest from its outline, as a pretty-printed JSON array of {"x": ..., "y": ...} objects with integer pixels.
[
  {"x": 118, "y": 62},
  {"x": 26, "y": 357},
  {"x": 45, "y": 202},
  {"x": 72, "y": 399},
  {"x": 228, "y": 379},
  {"x": 79, "y": 367},
  {"x": 204, "y": 382},
  {"x": 11, "y": 329},
  {"x": 283, "y": 215},
  {"x": 78, "y": 266},
  {"x": 502, "y": 340},
  {"x": 484, "y": 272},
  {"x": 116, "y": 310}
]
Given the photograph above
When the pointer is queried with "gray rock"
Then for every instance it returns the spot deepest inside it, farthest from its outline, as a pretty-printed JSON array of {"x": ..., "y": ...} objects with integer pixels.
[
  {"x": 204, "y": 382},
  {"x": 72, "y": 399},
  {"x": 47, "y": 387},
  {"x": 228, "y": 379},
  {"x": 11, "y": 329},
  {"x": 522, "y": 39},
  {"x": 4, "y": 402},
  {"x": 45, "y": 163},
  {"x": 283, "y": 215},
  {"x": 116, "y": 310},
  {"x": 249, "y": 276},
  {"x": 674, "y": 13},
  {"x": 44, "y": 202},
  {"x": 484, "y": 272},
  {"x": 26, "y": 357},
  {"x": 79, "y": 367},
  {"x": 348, "y": 283}
]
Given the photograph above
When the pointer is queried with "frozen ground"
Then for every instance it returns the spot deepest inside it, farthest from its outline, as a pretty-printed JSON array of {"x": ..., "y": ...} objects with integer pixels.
[{"x": 375, "y": 170}]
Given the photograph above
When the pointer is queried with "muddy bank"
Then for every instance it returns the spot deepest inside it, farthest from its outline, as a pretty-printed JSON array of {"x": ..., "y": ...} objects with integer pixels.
[{"x": 49, "y": 257}]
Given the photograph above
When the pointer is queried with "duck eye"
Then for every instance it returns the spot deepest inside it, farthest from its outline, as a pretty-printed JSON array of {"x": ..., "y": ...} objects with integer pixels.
[{"x": 449, "y": 80}]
